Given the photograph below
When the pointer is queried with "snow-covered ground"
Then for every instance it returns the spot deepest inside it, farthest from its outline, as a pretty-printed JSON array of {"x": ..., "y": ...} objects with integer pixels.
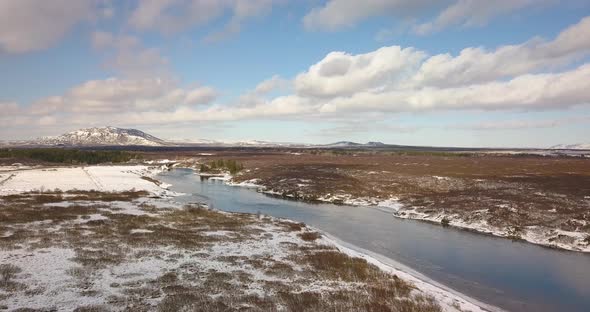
[
  {"x": 568, "y": 240},
  {"x": 448, "y": 298},
  {"x": 99, "y": 178}
]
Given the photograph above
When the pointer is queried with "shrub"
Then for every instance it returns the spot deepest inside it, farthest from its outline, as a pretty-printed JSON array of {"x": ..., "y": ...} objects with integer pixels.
[
  {"x": 310, "y": 236},
  {"x": 445, "y": 222},
  {"x": 8, "y": 272},
  {"x": 230, "y": 165}
]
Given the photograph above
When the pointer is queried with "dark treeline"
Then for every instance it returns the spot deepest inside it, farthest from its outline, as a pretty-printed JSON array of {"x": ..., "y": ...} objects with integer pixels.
[
  {"x": 231, "y": 165},
  {"x": 68, "y": 156}
]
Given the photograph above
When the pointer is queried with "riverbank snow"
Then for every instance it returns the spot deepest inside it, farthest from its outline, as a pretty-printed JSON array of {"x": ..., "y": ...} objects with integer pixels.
[
  {"x": 567, "y": 240},
  {"x": 125, "y": 178},
  {"x": 449, "y": 299}
]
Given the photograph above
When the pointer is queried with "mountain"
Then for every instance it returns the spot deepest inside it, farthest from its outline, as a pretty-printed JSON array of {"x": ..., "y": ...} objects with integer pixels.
[
  {"x": 194, "y": 142},
  {"x": 585, "y": 146},
  {"x": 113, "y": 136},
  {"x": 103, "y": 136},
  {"x": 345, "y": 144},
  {"x": 258, "y": 143}
]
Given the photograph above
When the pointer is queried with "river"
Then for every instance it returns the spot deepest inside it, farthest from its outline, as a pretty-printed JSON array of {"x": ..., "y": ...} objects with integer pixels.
[{"x": 515, "y": 276}]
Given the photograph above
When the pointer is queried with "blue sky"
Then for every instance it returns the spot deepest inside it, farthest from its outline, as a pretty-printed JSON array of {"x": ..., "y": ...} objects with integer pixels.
[{"x": 507, "y": 73}]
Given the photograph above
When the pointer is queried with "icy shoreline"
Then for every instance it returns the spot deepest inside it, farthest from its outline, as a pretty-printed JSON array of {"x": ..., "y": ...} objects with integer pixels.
[
  {"x": 125, "y": 178},
  {"x": 558, "y": 239},
  {"x": 447, "y": 297}
]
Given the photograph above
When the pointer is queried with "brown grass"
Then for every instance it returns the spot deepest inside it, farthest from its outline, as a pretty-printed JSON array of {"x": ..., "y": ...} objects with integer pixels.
[
  {"x": 310, "y": 236},
  {"x": 107, "y": 243}
]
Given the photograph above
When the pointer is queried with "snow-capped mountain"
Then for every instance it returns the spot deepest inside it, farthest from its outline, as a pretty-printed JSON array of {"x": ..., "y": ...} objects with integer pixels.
[
  {"x": 259, "y": 143},
  {"x": 103, "y": 136},
  {"x": 585, "y": 146}
]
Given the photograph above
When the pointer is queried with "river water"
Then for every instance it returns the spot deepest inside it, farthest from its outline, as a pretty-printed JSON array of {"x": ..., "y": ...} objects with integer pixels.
[{"x": 515, "y": 276}]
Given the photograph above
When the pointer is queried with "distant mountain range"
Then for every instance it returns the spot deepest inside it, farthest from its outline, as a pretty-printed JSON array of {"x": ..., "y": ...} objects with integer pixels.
[
  {"x": 103, "y": 136},
  {"x": 113, "y": 136},
  {"x": 584, "y": 146}
]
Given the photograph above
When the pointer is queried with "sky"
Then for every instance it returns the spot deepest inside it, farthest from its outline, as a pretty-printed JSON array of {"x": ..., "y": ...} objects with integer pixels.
[{"x": 504, "y": 73}]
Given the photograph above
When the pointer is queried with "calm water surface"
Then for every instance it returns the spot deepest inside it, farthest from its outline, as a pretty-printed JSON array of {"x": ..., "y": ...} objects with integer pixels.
[{"x": 512, "y": 275}]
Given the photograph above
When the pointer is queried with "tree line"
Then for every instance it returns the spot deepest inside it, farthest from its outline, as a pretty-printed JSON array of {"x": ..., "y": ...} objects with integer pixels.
[
  {"x": 68, "y": 156},
  {"x": 230, "y": 165}
]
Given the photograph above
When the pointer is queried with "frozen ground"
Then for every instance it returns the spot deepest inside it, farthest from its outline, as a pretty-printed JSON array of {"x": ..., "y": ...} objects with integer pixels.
[
  {"x": 98, "y": 178},
  {"x": 541, "y": 235},
  {"x": 96, "y": 251}
]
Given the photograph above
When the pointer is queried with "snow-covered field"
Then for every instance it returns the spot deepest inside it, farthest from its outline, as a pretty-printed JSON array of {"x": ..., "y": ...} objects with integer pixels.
[
  {"x": 98, "y": 178},
  {"x": 130, "y": 254}
]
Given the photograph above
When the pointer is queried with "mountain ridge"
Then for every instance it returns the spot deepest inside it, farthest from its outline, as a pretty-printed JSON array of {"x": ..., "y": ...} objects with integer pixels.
[
  {"x": 97, "y": 136},
  {"x": 579, "y": 146}
]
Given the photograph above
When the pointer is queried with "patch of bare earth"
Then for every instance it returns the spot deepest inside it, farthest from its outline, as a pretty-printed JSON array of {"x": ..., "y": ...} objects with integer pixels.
[{"x": 92, "y": 251}]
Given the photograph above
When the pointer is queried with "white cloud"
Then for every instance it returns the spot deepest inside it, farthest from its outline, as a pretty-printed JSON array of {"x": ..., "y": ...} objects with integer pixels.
[
  {"x": 385, "y": 81},
  {"x": 169, "y": 16},
  {"x": 338, "y": 14},
  {"x": 9, "y": 108},
  {"x": 174, "y": 15},
  {"x": 474, "y": 65},
  {"x": 474, "y": 13},
  {"x": 127, "y": 56},
  {"x": 242, "y": 11},
  {"x": 114, "y": 96},
  {"x": 30, "y": 25},
  {"x": 542, "y": 91},
  {"x": 201, "y": 95},
  {"x": 340, "y": 73},
  {"x": 271, "y": 84}
]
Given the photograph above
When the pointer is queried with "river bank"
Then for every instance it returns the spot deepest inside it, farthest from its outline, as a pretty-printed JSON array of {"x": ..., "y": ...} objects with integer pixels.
[
  {"x": 126, "y": 211},
  {"x": 541, "y": 200}
]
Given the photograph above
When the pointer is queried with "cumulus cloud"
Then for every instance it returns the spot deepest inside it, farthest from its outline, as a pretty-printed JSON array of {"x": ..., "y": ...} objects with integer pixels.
[
  {"x": 340, "y": 73},
  {"x": 201, "y": 95},
  {"x": 475, "y": 65},
  {"x": 473, "y": 13},
  {"x": 529, "y": 92},
  {"x": 122, "y": 96},
  {"x": 30, "y": 25}
]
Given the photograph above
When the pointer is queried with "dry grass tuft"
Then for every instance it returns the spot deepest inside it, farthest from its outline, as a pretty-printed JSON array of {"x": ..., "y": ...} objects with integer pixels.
[{"x": 310, "y": 236}]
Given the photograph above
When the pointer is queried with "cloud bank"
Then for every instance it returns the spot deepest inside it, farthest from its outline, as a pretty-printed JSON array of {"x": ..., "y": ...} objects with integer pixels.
[{"x": 539, "y": 74}]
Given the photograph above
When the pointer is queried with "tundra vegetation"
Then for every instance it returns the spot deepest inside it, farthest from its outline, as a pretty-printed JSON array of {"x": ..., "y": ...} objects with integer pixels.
[{"x": 544, "y": 200}]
